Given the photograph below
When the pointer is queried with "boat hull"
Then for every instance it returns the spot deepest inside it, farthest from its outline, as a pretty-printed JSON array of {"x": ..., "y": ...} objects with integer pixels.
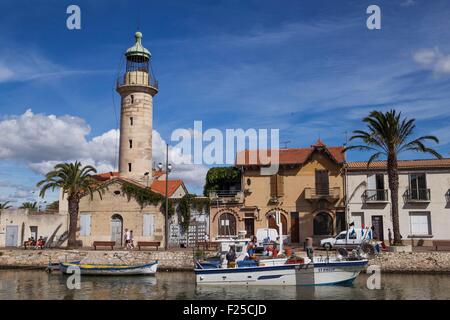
[
  {"x": 343, "y": 272},
  {"x": 110, "y": 270}
]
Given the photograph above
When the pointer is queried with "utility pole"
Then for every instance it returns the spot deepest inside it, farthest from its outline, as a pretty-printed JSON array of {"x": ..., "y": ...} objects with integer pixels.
[{"x": 167, "y": 199}]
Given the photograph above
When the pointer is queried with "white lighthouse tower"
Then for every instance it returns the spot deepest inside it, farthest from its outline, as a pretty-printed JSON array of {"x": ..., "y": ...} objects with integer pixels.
[{"x": 137, "y": 87}]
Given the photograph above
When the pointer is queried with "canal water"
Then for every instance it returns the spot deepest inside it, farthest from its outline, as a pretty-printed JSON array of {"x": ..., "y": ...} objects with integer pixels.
[{"x": 26, "y": 284}]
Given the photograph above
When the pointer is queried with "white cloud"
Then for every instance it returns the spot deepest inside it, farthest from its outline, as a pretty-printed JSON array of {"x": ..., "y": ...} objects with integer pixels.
[
  {"x": 434, "y": 60},
  {"x": 42, "y": 141}
]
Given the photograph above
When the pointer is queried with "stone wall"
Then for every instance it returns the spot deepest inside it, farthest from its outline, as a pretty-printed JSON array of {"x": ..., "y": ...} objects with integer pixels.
[
  {"x": 415, "y": 262},
  {"x": 169, "y": 260}
]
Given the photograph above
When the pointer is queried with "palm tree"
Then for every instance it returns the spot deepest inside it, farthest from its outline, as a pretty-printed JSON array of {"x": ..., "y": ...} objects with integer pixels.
[
  {"x": 29, "y": 205},
  {"x": 388, "y": 135},
  {"x": 5, "y": 205},
  {"x": 75, "y": 181}
]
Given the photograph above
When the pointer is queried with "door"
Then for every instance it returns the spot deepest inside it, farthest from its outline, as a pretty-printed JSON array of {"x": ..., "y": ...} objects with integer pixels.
[
  {"x": 249, "y": 227},
  {"x": 11, "y": 236},
  {"x": 358, "y": 219},
  {"x": 34, "y": 232},
  {"x": 295, "y": 228},
  {"x": 116, "y": 229},
  {"x": 340, "y": 222},
  {"x": 377, "y": 223},
  {"x": 322, "y": 183}
]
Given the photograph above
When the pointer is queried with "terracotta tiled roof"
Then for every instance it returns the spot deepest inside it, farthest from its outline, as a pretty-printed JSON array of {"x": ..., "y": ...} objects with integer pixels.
[
  {"x": 290, "y": 156},
  {"x": 402, "y": 164},
  {"x": 105, "y": 176},
  {"x": 160, "y": 186},
  {"x": 157, "y": 173}
]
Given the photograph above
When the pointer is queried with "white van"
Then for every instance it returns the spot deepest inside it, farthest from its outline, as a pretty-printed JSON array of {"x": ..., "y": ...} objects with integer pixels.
[
  {"x": 266, "y": 235},
  {"x": 347, "y": 239}
]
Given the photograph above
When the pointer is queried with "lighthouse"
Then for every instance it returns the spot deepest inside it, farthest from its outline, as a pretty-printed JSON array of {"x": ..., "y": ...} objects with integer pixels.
[{"x": 137, "y": 87}]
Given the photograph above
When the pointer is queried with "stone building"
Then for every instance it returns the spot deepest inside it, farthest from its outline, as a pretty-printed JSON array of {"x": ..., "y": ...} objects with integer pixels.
[
  {"x": 18, "y": 225},
  {"x": 307, "y": 190},
  {"x": 424, "y": 199}
]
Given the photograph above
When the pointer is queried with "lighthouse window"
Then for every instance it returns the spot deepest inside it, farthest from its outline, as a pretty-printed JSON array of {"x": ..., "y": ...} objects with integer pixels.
[
  {"x": 131, "y": 143},
  {"x": 131, "y": 121},
  {"x": 132, "y": 99},
  {"x": 129, "y": 167}
]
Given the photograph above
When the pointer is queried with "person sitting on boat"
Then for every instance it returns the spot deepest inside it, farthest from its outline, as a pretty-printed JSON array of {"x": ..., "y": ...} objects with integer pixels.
[
  {"x": 272, "y": 250},
  {"x": 231, "y": 257},
  {"x": 251, "y": 248}
]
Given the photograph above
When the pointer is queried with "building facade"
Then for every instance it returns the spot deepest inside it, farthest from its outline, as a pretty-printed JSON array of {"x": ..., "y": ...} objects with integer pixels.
[
  {"x": 18, "y": 225},
  {"x": 307, "y": 191},
  {"x": 424, "y": 199}
]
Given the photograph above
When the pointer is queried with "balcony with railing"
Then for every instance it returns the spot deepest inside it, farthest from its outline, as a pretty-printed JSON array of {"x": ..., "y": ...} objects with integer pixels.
[
  {"x": 226, "y": 196},
  {"x": 447, "y": 196},
  {"x": 417, "y": 195},
  {"x": 137, "y": 78},
  {"x": 375, "y": 196},
  {"x": 330, "y": 194}
]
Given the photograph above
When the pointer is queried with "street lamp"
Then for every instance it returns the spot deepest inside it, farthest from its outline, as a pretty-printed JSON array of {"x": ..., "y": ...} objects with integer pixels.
[{"x": 168, "y": 169}]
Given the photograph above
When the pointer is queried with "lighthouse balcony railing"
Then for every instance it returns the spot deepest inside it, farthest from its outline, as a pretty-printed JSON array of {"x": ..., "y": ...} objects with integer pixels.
[{"x": 137, "y": 78}]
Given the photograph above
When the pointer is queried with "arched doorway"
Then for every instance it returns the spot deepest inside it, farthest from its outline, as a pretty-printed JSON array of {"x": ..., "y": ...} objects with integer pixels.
[
  {"x": 227, "y": 224},
  {"x": 117, "y": 229},
  {"x": 323, "y": 224},
  {"x": 271, "y": 222}
]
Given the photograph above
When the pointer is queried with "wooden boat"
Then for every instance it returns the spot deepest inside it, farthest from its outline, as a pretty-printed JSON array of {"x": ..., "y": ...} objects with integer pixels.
[
  {"x": 55, "y": 266},
  {"x": 318, "y": 272},
  {"x": 109, "y": 269}
]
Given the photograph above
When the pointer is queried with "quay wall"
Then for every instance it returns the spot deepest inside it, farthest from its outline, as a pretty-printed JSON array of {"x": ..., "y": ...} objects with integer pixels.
[
  {"x": 181, "y": 260},
  {"x": 168, "y": 260},
  {"x": 413, "y": 262}
]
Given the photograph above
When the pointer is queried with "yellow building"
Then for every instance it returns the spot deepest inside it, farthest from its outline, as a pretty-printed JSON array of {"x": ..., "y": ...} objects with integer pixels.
[{"x": 307, "y": 190}]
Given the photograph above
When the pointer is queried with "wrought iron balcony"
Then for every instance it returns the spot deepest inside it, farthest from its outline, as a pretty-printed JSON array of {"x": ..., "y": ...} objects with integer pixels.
[
  {"x": 447, "y": 196},
  {"x": 330, "y": 194},
  {"x": 134, "y": 78},
  {"x": 375, "y": 195},
  {"x": 227, "y": 196},
  {"x": 417, "y": 195}
]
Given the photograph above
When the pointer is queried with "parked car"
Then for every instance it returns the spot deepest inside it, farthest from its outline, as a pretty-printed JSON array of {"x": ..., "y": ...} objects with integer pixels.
[{"x": 347, "y": 239}]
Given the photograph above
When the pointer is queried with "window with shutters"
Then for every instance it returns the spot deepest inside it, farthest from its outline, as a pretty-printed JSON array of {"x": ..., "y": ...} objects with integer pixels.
[
  {"x": 420, "y": 223},
  {"x": 148, "y": 225},
  {"x": 85, "y": 225},
  {"x": 322, "y": 182},
  {"x": 276, "y": 186}
]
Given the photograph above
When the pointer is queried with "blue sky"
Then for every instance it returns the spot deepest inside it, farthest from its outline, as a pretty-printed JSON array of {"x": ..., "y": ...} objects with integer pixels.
[{"x": 308, "y": 68}]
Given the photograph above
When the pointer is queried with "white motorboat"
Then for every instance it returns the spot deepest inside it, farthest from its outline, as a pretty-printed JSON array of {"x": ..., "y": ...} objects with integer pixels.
[{"x": 278, "y": 272}]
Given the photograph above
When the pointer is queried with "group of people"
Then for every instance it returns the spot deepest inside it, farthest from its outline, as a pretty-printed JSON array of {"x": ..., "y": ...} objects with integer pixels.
[
  {"x": 128, "y": 239},
  {"x": 269, "y": 250},
  {"x": 32, "y": 243}
]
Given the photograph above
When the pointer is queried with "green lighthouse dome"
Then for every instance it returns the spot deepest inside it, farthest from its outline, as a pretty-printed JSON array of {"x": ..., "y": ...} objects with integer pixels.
[{"x": 138, "y": 49}]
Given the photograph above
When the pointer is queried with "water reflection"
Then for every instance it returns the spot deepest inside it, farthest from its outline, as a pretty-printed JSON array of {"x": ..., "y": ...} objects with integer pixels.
[{"x": 19, "y": 284}]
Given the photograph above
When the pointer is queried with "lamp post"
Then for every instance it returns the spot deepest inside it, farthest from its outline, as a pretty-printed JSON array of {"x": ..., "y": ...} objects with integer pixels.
[{"x": 168, "y": 169}]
